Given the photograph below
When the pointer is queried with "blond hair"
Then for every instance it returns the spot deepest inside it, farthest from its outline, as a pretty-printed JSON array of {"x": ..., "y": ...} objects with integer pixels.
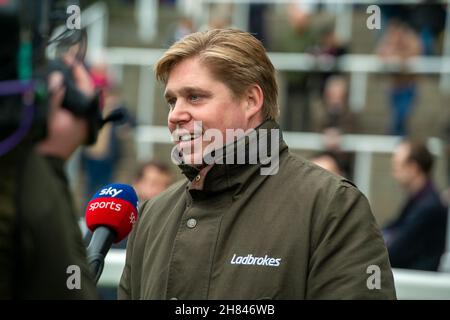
[{"x": 234, "y": 57}]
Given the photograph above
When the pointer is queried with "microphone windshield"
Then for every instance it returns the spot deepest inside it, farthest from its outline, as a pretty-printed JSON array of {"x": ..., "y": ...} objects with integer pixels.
[{"x": 113, "y": 206}]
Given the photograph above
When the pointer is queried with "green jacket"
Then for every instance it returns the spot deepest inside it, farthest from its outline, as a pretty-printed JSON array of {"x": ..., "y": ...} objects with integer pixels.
[
  {"x": 38, "y": 245},
  {"x": 302, "y": 233}
]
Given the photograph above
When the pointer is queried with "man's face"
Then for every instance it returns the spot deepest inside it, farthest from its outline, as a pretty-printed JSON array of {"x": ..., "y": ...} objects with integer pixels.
[
  {"x": 66, "y": 132},
  {"x": 194, "y": 95},
  {"x": 402, "y": 169}
]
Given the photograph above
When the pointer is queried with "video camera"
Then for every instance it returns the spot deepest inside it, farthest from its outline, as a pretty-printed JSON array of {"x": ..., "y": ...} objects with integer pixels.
[{"x": 25, "y": 29}]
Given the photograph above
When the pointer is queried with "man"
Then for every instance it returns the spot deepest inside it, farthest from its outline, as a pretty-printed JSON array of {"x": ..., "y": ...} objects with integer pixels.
[
  {"x": 299, "y": 33},
  {"x": 416, "y": 239},
  {"x": 152, "y": 178},
  {"x": 236, "y": 231}
]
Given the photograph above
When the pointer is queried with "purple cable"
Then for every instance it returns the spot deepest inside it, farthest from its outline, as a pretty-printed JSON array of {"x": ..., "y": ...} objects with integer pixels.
[{"x": 15, "y": 86}]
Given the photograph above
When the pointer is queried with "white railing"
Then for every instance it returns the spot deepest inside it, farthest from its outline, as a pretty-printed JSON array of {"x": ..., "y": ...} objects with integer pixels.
[
  {"x": 423, "y": 285},
  {"x": 365, "y": 63},
  {"x": 409, "y": 284}
]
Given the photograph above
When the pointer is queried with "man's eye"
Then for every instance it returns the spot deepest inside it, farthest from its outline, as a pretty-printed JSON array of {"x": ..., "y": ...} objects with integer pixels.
[
  {"x": 194, "y": 98},
  {"x": 171, "y": 103}
]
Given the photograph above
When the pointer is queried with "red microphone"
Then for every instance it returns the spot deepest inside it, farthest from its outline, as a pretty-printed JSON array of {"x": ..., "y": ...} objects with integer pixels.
[{"x": 110, "y": 215}]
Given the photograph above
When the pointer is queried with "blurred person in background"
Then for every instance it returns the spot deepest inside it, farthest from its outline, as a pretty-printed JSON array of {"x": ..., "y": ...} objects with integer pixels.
[
  {"x": 416, "y": 239},
  {"x": 299, "y": 35},
  {"x": 152, "y": 178},
  {"x": 427, "y": 18},
  {"x": 327, "y": 50},
  {"x": 329, "y": 161},
  {"x": 336, "y": 111},
  {"x": 399, "y": 43},
  {"x": 332, "y": 143},
  {"x": 307, "y": 30}
]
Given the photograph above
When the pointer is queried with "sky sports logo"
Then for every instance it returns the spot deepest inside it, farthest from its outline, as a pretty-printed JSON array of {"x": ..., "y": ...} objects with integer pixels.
[
  {"x": 113, "y": 192},
  {"x": 250, "y": 260},
  {"x": 105, "y": 205},
  {"x": 107, "y": 192}
]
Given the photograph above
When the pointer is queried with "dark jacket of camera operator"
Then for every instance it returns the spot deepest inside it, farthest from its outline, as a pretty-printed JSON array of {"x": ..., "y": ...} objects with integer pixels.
[{"x": 43, "y": 256}]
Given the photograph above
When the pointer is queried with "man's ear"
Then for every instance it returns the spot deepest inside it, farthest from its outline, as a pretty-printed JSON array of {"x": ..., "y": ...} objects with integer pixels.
[{"x": 254, "y": 98}]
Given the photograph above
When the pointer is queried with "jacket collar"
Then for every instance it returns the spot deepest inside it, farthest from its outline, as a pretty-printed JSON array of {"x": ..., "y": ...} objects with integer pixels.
[{"x": 224, "y": 175}]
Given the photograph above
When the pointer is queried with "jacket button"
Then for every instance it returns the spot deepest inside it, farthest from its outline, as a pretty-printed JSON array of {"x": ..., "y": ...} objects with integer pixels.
[
  {"x": 191, "y": 223},
  {"x": 197, "y": 178}
]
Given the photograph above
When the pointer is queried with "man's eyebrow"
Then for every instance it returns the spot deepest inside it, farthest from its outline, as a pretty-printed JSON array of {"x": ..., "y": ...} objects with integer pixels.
[
  {"x": 186, "y": 90},
  {"x": 168, "y": 94}
]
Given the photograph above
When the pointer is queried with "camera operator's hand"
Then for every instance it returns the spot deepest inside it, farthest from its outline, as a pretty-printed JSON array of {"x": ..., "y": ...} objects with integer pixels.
[
  {"x": 66, "y": 132},
  {"x": 81, "y": 76}
]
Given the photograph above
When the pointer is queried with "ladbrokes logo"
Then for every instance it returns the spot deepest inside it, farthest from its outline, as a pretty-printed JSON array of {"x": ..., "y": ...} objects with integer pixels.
[{"x": 250, "y": 260}]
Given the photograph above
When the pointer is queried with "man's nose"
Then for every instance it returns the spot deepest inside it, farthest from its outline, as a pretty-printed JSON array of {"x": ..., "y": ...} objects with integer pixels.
[{"x": 179, "y": 113}]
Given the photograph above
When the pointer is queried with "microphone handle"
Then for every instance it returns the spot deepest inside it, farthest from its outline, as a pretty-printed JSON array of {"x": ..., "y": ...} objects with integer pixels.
[{"x": 101, "y": 242}]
